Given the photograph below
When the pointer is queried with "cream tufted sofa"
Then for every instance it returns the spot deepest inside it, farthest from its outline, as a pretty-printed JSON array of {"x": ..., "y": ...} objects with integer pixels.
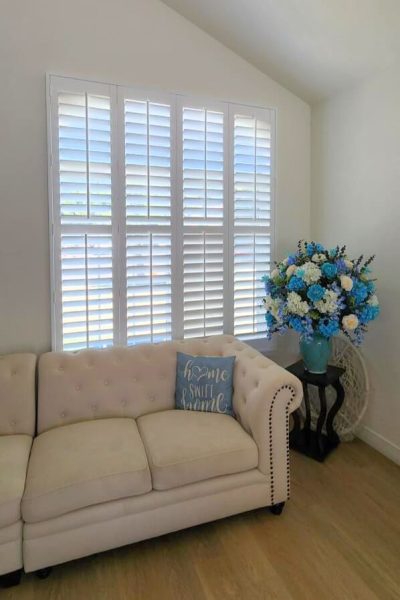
[
  {"x": 17, "y": 426},
  {"x": 114, "y": 462}
]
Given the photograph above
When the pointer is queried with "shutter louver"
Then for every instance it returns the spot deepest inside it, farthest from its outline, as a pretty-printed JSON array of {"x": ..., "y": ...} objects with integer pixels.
[
  {"x": 148, "y": 267},
  {"x": 251, "y": 221},
  {"x": 203, "y": 288}
]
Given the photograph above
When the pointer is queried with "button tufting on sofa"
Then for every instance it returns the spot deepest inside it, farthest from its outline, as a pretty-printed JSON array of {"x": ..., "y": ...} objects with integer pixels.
[{"x": 17, "y": 424}]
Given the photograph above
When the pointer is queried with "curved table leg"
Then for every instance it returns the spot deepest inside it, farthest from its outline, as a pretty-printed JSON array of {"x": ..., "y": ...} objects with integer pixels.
[{"x": 331, "y": 433}]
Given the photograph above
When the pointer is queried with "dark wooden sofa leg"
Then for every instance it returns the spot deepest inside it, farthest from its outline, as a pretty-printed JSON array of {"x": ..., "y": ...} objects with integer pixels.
[
  {"x": 10, "y": 579},
  {"x": 277, "y": 509},
  {"x": 44, "y": 573}
]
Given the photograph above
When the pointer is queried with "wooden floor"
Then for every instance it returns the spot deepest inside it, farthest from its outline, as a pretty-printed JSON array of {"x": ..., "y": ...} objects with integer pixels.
[{"x": 338, "y": 538}]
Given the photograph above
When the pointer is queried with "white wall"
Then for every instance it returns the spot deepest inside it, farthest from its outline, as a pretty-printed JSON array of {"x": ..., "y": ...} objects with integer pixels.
[
  {"x": 356, "y": 200},
  {"x": 123, "y": 41}
]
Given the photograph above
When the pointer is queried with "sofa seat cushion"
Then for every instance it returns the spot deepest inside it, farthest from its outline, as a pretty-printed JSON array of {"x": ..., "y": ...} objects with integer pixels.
[
  {"x": 187, "y": 446},
  {"x": 83, "y": 464},
  {"x": 14, "y": 455}
]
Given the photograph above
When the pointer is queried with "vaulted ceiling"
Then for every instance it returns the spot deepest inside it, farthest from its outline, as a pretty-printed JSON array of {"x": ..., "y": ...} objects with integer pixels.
[{"x": 313, "y": 47}]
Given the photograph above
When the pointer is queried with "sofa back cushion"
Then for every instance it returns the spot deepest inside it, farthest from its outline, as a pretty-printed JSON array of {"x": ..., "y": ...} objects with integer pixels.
[
  {"x": 17, "y": 394},
  {"x": 116, "y": 382}
]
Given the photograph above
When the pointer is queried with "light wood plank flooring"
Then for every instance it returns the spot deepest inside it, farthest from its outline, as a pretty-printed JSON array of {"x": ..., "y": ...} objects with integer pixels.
[{"x": 338, "y": 538}]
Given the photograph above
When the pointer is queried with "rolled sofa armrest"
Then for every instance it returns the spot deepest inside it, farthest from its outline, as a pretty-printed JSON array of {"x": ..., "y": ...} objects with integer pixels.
[{"x": 264, "y": 396}]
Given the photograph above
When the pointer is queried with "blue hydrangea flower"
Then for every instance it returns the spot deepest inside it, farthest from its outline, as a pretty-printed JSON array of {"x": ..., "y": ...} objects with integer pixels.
[
  {"x": 268, "y": 285},
  {"x": 291, "y": 259},
  {"x": 269, "y": 320},
  {"x": 371, "y": 287},
  {"x": 329, "y": 270},
  {"x": 296, "y": 323},
  {"x": 332, "y": 252},
  {"x": 359, "y": 291},
  {"x": 368, "y": 313},
  {"x": 341, "y": 266},
  {"x": 310, "y": 248},
  {"x": 328, "y": 327},
  {"x": 315, "y": 292},
  {"x": 296, "y": 284},
  {"x": 319, "y": 248},
  {"x": 308, "y": 329}
]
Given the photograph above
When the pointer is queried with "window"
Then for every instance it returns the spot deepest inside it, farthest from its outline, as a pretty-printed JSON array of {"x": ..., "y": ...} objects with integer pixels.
[{"x": 161, "y": 215}]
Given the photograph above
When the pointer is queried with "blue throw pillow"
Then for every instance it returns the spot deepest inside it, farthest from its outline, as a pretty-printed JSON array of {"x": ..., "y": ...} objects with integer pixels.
[{"x": 204, "y": 383}]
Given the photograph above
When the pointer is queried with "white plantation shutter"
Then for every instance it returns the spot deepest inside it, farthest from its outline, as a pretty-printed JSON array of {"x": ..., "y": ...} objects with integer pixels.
[
  {"x": 203, "y": 167},
  {"x": 203, "y": 288},
  {"x": 147, "y": 162},
  {"x": 147, "y": 159},
  {"x": 82, "y": 215},
  {"x": 203, "y": 194},
  {"x": 87, "y": 291},
  {"x": 148, "y": 275},
  {"x": 251, "y": 259},
  {"x": 161, "y": 215},
  {"x": 251, "y": 222}
]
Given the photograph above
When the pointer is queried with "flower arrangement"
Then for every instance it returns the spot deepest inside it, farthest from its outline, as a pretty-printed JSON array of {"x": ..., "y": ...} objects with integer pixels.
[{"x": 319, "y": 291}]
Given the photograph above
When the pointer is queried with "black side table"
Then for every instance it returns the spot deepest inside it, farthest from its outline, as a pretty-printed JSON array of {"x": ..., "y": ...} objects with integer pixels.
[{"x": 316, "y": 444}]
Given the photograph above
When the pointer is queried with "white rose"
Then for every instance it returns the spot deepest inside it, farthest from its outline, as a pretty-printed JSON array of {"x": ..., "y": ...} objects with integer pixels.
[
  {"x": 350, "y": 322},
  {"x": 373, "y": 301},
  {"x": 346, "y": 282},
  {"x": 290, "y": 270},
  {"x": 275, "y": 273},
  {"x": 348, "y": 263}
]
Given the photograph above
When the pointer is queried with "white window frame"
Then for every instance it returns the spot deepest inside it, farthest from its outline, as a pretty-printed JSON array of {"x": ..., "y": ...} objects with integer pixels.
[{"x": 118, "y": 227}]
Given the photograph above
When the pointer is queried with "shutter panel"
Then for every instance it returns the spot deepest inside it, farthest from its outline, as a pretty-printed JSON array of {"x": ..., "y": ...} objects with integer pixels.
[
  {"x": 83, "y": 215},
  {"x": 252, "y": 171},
  {"x": 148, "y": 266},
  {"x": 251, "y": 261},
  {"x": 147, "y": 137},
  {"x": 203, "y": 166},
  {"x": 203, "y": 275},
  {"x": 252, "y": 134},
  {"x": 203, "y": 220},
  {"x": 86, "y": 291},
  {"x": 84, "y": 146},
  {"x": 147, "y": 163}
]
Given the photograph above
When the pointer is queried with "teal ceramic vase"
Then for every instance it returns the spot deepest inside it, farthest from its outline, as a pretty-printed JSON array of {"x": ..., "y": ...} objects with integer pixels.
[{"x": 316, "y": 353}]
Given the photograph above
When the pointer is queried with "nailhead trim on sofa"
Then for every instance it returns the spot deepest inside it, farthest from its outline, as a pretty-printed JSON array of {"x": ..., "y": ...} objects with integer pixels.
[{"x": 275, "y": 396}]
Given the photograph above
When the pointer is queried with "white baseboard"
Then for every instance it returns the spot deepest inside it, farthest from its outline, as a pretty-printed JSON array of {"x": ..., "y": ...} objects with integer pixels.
[{"x": 380, "y": 443}]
